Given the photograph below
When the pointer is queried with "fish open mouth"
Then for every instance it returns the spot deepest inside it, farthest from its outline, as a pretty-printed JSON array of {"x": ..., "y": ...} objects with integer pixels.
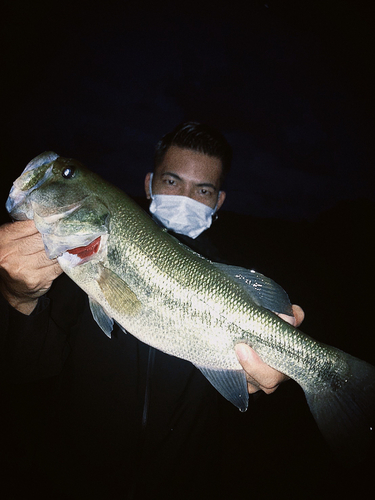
[{"x": 86, "y": 251}]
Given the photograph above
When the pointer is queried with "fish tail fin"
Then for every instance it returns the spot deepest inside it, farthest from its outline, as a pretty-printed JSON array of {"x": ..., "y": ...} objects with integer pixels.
[{"x": 345, "y": 411}]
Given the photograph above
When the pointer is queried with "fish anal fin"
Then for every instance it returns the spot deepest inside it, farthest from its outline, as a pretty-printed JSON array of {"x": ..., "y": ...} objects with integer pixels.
[{"x": 231, "y": 384}]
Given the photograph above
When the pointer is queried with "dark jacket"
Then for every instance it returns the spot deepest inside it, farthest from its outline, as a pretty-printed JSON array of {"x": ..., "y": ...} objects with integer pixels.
[
  {"x": 87, "y": 417},
  {"x": 104, "y": 417}
]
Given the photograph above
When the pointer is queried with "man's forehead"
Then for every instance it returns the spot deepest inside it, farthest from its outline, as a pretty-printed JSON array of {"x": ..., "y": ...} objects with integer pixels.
[{"x": 190, "y": 166}]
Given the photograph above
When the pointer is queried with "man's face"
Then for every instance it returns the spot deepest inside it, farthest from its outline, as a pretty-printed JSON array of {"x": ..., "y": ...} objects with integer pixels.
[{"x": 188, "y": 173}]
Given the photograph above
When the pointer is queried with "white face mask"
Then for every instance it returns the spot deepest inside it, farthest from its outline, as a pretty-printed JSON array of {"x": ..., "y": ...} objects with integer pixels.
[{"x": 181, "y": 214}]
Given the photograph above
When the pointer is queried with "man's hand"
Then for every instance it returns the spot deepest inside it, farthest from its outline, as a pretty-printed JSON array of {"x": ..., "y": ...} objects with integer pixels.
[
  {"x": 260, "y": 376},
  {"x": 26, "y": 272}
]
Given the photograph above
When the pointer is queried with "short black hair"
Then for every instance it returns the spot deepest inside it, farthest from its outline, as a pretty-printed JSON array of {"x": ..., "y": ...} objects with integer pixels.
[{"x": 197, "y": 137}]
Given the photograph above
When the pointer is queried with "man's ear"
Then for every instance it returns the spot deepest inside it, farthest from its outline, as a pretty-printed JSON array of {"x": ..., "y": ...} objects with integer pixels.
[
  {"x": 221, "y": 199},
  {"x": 147, "y": 185}
]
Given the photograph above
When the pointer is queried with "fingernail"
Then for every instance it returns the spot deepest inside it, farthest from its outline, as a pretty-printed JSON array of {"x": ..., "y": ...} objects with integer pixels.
[{"x": 242, "y": 353}]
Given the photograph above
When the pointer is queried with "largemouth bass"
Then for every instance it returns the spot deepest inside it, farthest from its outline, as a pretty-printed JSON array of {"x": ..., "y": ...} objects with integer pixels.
[{"x": 175, "y": 300}]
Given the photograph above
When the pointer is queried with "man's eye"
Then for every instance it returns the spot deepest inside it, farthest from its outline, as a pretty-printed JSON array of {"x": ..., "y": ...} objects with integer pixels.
[{"x": 205, "y": 192}]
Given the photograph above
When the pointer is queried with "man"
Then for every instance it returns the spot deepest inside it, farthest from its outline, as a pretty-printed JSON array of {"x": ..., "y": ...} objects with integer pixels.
[
  {"x": 121, "y": 414},
  {"x": 186, "y": 167}
]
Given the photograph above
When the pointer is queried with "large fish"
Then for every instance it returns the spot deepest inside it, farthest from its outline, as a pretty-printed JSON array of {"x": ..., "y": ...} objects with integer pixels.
[{"x": 183, "y": 304}]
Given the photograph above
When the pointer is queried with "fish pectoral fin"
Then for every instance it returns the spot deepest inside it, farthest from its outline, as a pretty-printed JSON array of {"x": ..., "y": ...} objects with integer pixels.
[
  {"x": 262, "y": 290},
  {"x": 101, "y": 317},
  {"x": 231, "y": 384},
  {"x": 117, "y": 293}
]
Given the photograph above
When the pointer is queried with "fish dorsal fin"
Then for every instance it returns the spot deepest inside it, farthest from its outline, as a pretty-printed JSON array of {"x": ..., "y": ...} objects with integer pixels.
[
  {"x": 262, "y": 290},
  {"x": 101, "y": 317},
  {"x": 117, "y": 293},
  {"x": 231, "y": 384}
]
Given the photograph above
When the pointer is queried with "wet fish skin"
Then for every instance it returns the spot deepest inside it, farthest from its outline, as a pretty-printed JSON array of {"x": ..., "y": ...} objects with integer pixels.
[{"x": 177, "y": 301}]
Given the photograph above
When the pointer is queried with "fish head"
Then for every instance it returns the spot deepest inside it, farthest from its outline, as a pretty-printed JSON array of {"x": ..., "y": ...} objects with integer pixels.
[{"x": 60, "y": 195}]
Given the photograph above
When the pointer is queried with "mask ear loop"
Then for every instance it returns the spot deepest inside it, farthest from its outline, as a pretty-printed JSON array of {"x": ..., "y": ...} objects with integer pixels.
[
  {"x": 214, "y": 215},
  {"x": 150, "y": 185}
]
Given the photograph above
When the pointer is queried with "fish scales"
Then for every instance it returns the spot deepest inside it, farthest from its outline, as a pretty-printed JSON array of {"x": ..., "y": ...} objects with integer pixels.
[
  {"x": 195, "y": 297},
  {"x": 175, "y": 300},
  {"x": 187, "y": 292},
  {"x": 189, "y": 288}
]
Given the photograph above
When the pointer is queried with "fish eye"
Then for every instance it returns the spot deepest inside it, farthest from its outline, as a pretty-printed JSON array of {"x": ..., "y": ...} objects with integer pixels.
[{"x": 68, "y": 172}]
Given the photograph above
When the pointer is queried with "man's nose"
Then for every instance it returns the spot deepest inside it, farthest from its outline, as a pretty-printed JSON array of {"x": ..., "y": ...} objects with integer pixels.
[{"x": 187, "y": 191}]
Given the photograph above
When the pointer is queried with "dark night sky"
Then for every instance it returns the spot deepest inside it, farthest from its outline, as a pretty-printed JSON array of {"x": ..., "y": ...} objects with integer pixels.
[{"x": 288, "y": 82}]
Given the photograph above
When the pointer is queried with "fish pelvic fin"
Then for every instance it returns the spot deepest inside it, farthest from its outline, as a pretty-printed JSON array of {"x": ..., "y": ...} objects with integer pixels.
[
  {"x": 345, "y": 412},
  {"x": 101, "y": 317},
  {"x": 231, "y": 384}
]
